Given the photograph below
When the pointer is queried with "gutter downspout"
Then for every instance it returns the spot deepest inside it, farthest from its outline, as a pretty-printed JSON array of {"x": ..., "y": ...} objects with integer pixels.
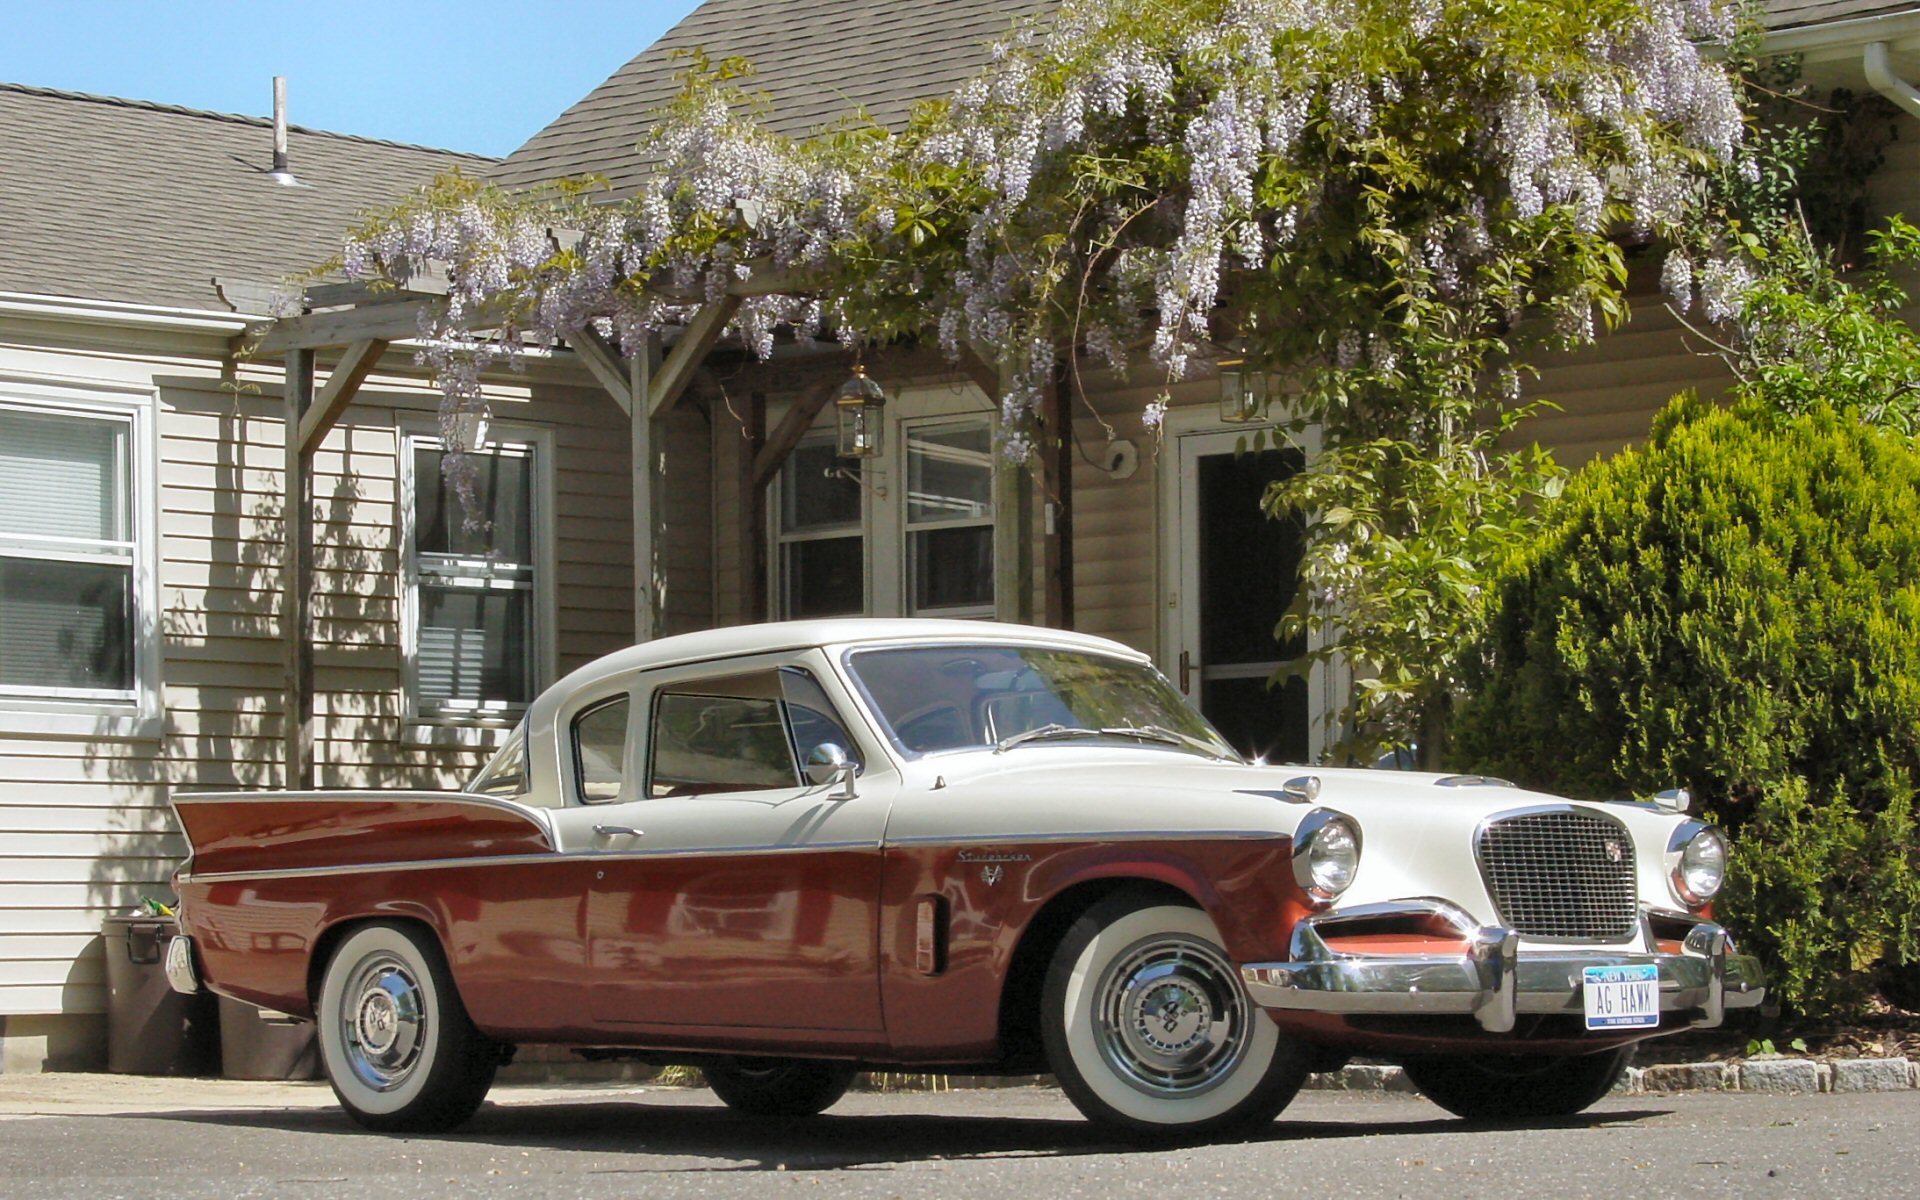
[{"x": 1880, "y": 75}]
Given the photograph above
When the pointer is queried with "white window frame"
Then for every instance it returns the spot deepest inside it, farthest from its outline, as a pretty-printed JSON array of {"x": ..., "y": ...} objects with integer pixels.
[
  {"x": 497, "y": 715},
  {"x": 779, "y": 537},
  {"x": 136, "y": 712},
  {"x": 903, "y": 543},
  {"x": 884, "y": 529}
]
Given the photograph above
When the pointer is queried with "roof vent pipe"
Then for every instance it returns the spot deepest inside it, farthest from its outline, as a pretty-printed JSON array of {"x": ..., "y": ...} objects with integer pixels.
[
  {"x": 281, "y": 174},
  {"x": 1880, "y": 75}
]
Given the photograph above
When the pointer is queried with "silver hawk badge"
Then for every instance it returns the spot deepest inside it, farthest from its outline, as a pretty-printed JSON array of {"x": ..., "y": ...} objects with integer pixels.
[{"x": 992, "y": 874}]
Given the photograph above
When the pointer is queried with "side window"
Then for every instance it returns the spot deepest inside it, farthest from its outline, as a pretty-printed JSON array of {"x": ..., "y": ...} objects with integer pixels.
[
  {"x": 506, "y": 772},
  {"x": 811, "y": 716},
  {"x": 720, "y": 735},
  {"x": 600, "y": 750}
]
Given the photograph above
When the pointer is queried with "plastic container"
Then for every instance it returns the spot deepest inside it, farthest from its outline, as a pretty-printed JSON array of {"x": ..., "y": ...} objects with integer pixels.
[
  {"x": 257, "y": 1044},
  {"x": 152, "y": 1029}
]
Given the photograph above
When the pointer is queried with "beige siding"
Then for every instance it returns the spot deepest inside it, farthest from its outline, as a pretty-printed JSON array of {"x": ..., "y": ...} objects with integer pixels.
[{"x": 85, "y": 828}]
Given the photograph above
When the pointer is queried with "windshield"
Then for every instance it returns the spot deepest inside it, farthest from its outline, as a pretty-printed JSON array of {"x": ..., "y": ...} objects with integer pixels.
[{"x": 935, "y": 698}]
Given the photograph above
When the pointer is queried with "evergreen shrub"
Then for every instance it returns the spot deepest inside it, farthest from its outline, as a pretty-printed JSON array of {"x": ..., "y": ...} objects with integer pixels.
[{"x": 1734, "y": 608}]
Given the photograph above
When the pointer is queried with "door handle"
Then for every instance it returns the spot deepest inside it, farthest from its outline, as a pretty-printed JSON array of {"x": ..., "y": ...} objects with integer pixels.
[
  {"x": 617, "y": 831},
  {"x": 1186, "y": 673}
]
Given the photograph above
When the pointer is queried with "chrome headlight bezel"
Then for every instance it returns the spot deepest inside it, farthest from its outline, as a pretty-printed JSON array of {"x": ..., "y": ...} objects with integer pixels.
[
  {"x": 1326, "y": 854},
  {"x": 1697, "y": 862}
]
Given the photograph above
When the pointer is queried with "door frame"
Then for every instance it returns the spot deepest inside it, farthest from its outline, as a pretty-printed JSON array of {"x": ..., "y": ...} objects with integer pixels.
[{"x": 1187, "y": 434}]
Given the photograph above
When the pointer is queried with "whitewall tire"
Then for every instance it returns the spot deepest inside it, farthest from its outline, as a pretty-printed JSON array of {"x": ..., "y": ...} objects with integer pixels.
[
  {"x": 395, "y": 1041},
  {"x": 1148, "y": 1028}
]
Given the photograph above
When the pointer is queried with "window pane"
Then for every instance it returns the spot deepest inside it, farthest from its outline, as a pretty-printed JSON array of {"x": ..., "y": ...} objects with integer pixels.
[
  {"x": 949, "y": 473},
  {"x": 952, "y": 567},
  {"x": 66, "y": 625},
  {"x": 705, "y": 743},
  {"x": 810, "y": 498},
  {"x": 63, "y": 476},
  {"x": 825, "y": 577},
  {"x": 499, "y": 524},
  {"x": 814, "y": 721},
  {"x": 474, "y": 645},
  {"x": 506, "y": 772},
  {"x": 600, "y": 750}
]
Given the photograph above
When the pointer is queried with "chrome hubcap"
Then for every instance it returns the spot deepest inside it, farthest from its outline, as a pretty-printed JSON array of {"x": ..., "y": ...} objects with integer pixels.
[
  {"x": 1172, "y": 1020},
  {"x": 384, "y": 1020}
]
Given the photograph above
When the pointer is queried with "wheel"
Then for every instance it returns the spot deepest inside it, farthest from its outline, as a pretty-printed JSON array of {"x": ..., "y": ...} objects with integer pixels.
[
  {"x": 1148, "y": 1028},
  {"x": 395, "y": 1041},
  {"x": 1496, "y": 1087},
  {"x": 777, "y": 1087}
]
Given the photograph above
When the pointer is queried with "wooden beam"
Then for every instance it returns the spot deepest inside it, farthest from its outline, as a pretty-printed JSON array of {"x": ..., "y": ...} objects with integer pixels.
[
  {"x": 792, "y": 428},
  {"x": 647, "y": 441},
  {"x": 369, "y": 291},
  {"x": 606, "y": 364},
  {"x": 677, "y": 372},
  {"x": 1056, "y": 460},
  {"x": 376, "y": 322},
  {"x": 753, "y": 512},
  {"x": 980, "y": 369},
  {"x": 296, "y": 577},
  {"x": 354, "y": 367}
]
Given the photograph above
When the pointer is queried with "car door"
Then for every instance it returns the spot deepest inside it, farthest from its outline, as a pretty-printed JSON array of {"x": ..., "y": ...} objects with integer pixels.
[{"x": 725, "y": 892}]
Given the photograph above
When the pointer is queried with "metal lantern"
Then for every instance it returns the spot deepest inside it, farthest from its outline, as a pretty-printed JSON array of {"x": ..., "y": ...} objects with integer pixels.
[
  {"x": 1244, "y": 393},
  {"x": 861, "y": 405}
]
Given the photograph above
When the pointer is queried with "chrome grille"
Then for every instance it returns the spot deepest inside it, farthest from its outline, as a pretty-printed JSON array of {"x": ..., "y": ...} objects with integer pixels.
[{"x": 1561, "y": 874}]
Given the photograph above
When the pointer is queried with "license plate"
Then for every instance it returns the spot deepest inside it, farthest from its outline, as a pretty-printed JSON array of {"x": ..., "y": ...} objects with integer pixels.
[{"x": 1622, "y": 997}]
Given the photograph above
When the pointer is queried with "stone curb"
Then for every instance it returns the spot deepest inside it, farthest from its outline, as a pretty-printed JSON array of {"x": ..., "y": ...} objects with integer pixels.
[{"x": 1776, "y": 1076}]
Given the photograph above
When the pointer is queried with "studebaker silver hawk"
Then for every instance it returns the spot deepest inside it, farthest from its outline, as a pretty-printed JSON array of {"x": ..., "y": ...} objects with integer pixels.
[{"x": 788, "y": 852}]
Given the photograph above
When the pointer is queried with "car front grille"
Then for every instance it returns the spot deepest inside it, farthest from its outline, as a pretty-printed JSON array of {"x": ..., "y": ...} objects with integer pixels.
[{"x": 1561, "y": 874}]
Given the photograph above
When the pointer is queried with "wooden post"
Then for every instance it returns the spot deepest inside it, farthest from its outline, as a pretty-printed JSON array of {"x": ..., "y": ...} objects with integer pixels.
[
  {"x": 1056, "y": 458},
  {"x": 296, "y": 576},
  {"x": 1012, "y": 536},
  {"x": 753, "y": 513},
  {"x": 648, "y": 443}
]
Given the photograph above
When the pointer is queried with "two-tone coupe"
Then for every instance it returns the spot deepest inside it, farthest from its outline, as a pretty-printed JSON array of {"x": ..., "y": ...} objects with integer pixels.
[{"x": 786, "y": 853}]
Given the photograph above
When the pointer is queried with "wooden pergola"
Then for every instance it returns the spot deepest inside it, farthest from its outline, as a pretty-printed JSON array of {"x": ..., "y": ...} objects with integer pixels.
[{"x": 361, "y": 321}]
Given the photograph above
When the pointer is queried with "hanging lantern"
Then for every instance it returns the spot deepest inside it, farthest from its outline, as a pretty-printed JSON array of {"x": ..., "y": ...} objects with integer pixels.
[
  {"x": 861, "y": 406},
  {"x": 1243, "y": 392}
]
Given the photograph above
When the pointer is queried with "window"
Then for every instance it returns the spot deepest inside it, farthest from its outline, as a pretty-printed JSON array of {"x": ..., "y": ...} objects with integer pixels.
[
  {"x": 600, "y": 750},
  {"x": 479, "y": 626},
  {"x": 506, "y": 772},
  {"x": 77, "y": 647},
  {"x": 822, "y": 554},
  {"x": 739, "y": 733},
  {"x": 949, "y": 530},
  {"x": 924, "y": 548}
]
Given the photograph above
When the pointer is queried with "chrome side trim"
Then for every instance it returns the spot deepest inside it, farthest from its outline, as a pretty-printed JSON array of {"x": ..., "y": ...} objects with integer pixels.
[
  {"x": 1114, "y": 835},
  {"x": 1493, "y": 981},
  {"x": 514, "y": 860}
]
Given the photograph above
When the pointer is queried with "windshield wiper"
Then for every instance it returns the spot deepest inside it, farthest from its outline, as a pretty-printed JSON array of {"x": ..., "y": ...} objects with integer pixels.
[
  {"x": 1055, "y": 730},
  {"x": 1167, "y": 737}
]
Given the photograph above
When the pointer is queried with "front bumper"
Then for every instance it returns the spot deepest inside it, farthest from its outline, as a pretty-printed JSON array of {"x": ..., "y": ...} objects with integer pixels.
[{"x": 1491, "y": 978}]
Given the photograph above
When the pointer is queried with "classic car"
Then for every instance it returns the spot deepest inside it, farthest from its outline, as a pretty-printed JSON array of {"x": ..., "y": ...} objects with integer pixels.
[{"x": 785, "y": 853}]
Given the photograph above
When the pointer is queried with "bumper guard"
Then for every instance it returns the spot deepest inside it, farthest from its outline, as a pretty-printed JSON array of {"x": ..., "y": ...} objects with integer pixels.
[{"x": 1493, "y": 980}]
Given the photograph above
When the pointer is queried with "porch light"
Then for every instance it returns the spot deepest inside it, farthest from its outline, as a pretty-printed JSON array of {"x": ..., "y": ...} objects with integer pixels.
[
  {"x": 861, "y": 405},
  {"x": 1244, "y": 393}
]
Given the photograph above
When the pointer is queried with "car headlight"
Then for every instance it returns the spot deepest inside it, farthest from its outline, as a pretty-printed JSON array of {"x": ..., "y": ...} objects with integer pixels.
[
  {"x": 1700, "y": 867},
  {"x": 1326, "y": 853}
]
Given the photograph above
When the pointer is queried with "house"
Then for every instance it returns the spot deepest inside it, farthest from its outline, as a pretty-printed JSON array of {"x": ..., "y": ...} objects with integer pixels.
[
  {"x": 145, "y": 460},
  {"x": 141, "y": 522}
]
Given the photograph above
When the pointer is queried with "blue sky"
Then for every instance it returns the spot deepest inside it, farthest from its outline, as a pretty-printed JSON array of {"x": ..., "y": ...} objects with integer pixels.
[{"x": 476, "y": 75}]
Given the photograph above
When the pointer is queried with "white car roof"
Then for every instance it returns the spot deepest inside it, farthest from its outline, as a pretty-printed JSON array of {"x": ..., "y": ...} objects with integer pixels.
[{"x": 741, "y": 640}]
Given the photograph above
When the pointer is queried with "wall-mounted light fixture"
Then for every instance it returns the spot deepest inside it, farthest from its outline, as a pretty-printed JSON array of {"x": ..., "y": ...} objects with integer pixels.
[
  {"x": 1244, "y": 393},
  {"x": 861, "y": 406}
]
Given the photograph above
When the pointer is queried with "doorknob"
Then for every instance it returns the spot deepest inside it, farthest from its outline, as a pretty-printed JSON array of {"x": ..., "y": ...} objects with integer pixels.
[
  {"x": 617, "y": 831},
  {"x": 1186, "y": 672}
]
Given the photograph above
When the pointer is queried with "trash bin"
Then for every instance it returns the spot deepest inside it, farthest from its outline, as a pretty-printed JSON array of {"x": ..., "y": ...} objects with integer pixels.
[
  {"x": 152, "y": 1029},
  {"x": 258, "y": 1044}
]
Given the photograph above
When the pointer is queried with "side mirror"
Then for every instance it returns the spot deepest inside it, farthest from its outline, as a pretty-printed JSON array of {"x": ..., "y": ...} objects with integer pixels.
[{"x": 828, "y": 763}]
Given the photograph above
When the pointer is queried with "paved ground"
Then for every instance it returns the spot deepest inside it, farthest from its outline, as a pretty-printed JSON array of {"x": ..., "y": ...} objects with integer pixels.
[{"x": 103, "y": 1136}]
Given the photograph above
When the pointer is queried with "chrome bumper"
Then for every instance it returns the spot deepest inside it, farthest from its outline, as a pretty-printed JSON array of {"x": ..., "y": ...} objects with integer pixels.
[
  {"x": 181, "y": 972},
  {"x": 1493, "y": 981}
]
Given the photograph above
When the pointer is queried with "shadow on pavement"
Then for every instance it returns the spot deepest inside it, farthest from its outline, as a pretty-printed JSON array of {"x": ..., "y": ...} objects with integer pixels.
[{"x": 829, "y": 1142}]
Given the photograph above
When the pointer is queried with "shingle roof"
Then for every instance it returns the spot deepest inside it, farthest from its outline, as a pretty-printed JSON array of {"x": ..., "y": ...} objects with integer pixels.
[
  {"x": 145, "y": 203},
  {"x": 822, "y": 60},
  {"x": 816, "y": 61}
]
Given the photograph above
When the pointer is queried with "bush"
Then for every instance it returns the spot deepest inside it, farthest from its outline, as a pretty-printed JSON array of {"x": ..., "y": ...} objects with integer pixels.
[{"x": 1735, "y": 609}]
